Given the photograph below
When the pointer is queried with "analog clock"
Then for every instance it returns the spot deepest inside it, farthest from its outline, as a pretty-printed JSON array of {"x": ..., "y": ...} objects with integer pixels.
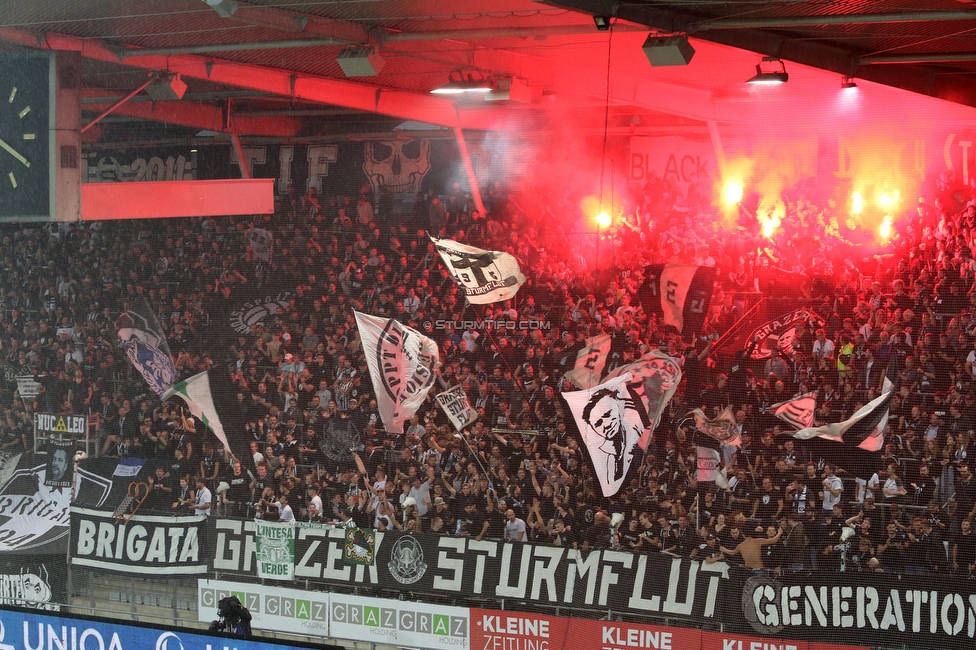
[{"x": 26, "y": 136}]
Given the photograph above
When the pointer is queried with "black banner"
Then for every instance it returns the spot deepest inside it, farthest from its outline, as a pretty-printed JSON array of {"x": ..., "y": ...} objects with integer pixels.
[
  {"x": 934, "y": 611},
  {"x": 146, "y": 544},
  {"x": 38, "y": 584},
  {"x": 542, "y": 575}
]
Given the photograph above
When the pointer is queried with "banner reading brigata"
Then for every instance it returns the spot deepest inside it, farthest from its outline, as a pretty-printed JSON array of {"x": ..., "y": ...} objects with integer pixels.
[{"x": 146, "y": 544}]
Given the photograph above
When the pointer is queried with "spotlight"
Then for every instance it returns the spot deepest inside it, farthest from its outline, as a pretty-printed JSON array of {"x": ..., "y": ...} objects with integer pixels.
[
  {"x": 225, "y": 8},
  {"x": 848, "y": 82},
  {"x": 668, "y": 50},
  {"x": 770, "y": 71},
  {"x": 602, "y": 22},
  {"x": 360, "y": 62},
  {"x": 167, "y": 88},
  {"x": 459, "y": 83}
]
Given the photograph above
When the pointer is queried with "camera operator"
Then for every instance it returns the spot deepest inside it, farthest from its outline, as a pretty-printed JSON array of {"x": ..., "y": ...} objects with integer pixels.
[{"x": 234, "y": 618}]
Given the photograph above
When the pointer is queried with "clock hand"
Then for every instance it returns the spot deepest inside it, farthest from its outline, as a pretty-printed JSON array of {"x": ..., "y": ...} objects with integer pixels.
[{"x": 13, "y": 153}]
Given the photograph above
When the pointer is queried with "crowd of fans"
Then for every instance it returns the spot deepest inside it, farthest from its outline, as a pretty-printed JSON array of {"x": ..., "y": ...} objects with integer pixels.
[{"x": 520, "y": 472}]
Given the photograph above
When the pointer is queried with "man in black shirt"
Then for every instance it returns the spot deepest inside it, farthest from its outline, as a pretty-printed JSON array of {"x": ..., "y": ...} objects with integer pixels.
[
  {"x": 768, "y": 504},
  {"x": 964, "y": 549},
  {"x": 965, "y": 492},
  {"x": 923, "y": 489},
  {"x": 473, "y": 521}
]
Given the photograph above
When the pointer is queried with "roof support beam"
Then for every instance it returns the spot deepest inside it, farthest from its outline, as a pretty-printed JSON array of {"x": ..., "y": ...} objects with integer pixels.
[
  {"x": 198, "y": 116},
  {"x": 336, "y": 92},
  {"x": 127, "y": 52},
  {"x": 948, "y": 57},
  {"x": 835, "y": 19}
]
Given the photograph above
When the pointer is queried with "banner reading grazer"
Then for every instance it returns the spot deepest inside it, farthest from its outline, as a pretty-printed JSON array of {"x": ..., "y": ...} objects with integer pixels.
[
  {"x": 147, "y": 544},
  {"x": 543, "y": 575}
]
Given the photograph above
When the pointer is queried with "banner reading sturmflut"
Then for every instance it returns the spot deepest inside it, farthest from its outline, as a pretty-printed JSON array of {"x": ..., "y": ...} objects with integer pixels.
[
  {"x": 401, "y": 365},
  {"x": 458, "y": 407},
  {"x": 483, "y": 276},
  {"x": 275, "y": 552}
]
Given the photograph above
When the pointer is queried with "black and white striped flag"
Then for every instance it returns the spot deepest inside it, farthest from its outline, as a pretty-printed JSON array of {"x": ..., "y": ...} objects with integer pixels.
[{"x": 798, "y": 412}]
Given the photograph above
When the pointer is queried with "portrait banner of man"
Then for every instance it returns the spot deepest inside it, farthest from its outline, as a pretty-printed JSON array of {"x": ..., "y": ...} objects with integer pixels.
[
  {"x": 611, "y": 425},
  {"x": 58, "y": 472}
]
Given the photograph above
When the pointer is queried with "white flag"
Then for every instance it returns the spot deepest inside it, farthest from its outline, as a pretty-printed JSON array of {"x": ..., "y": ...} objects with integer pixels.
[
  {"x": 797, "y": 411},
  {"x": 611, "y": 425},
  {"x": 198, "y": 395},
  {"x": 723, "y": 428},
  {"x": 483, "y": 276},
  {"x": 260, "y": 241},
  {"x": 401, "y": 365},
  {"x": 654, "y": 378},
  {"x": 865, "y": 428},
  {"x": 590, "y": 362},
  {"x": 456, "y": 404},
  {"x": 710, "y": 466}
]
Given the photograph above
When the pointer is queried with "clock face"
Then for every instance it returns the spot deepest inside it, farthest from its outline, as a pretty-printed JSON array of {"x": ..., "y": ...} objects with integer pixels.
[{"x": 25, "y": 136}]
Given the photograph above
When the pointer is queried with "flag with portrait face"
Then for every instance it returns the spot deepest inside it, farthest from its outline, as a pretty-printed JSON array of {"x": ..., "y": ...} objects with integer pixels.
[
  {"x": 611, "y": 425},
  {"x": 483, "y": 276},
  {"x": 401, "y": 364}
]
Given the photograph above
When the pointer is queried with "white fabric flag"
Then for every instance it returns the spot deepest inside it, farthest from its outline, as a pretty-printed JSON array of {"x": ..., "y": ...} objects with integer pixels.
[
  {"x": 710, "y": 466},
  {"x": 199, "y": 398},
  {"x": 483, "y": 276},
  {"x": 590, "y": 362},
  {"x": 261, "y": 242},
  {"x": 654, "y": 379},
  {"x": 797, "y": 411},
  {"x": 401, "y": 366},
  {"x": 866, "y": 426},
  {"x": 723, "y": 428},
  {"x": 611, "y": 425},
  {"x": 455, "y": 403}
]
